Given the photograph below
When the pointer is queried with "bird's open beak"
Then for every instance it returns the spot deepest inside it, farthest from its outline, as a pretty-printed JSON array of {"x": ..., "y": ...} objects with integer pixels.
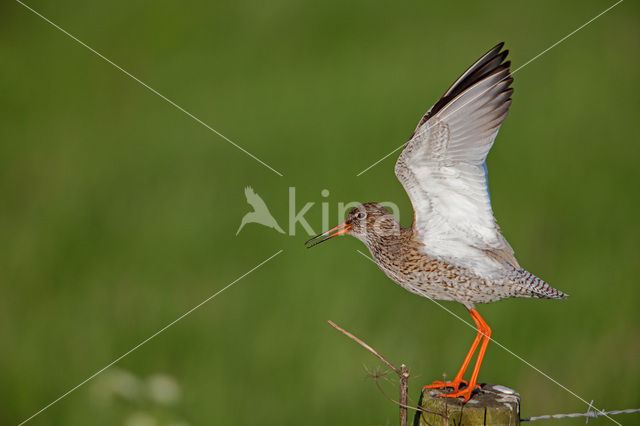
[{"x": 343, "y": 228}]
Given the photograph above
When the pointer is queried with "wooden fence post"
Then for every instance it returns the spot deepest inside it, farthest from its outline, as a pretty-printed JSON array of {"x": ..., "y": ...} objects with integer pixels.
[{"x": 494, "y": 405}]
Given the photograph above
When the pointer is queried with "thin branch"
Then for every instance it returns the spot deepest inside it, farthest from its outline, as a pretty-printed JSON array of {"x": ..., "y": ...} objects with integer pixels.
[
  {"x": 424, "y": 410},
  {"x": 403, "y": 375},
  {"x": 367, "y": 347},
  {"x": 404, "y": 391}
]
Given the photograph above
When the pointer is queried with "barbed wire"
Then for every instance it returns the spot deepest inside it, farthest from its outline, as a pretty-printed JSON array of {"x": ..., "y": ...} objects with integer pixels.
[{"x": 590, "y": 414}]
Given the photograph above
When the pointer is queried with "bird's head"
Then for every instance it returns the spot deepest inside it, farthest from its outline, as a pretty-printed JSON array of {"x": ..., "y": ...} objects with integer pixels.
[{"x": 366, "y": 221}]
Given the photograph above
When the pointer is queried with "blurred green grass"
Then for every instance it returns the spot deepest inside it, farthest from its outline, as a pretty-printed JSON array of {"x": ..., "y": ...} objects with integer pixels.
[{"x": 120, "y": 212}]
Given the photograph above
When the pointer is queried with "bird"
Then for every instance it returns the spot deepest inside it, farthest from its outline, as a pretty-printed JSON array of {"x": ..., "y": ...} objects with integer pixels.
[
  {"x": 261, "y": 213},
  {"x": 454, "y": 249}
]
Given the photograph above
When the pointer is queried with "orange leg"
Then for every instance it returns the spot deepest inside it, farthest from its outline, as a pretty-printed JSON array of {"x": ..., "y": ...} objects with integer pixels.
[
  {"x": 457, "y": 381},
  {"x": 485, "y": 331}
]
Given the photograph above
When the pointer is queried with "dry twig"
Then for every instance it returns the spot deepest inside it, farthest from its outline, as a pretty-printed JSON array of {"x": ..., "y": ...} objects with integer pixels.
[{"x": 403, "y": 375}]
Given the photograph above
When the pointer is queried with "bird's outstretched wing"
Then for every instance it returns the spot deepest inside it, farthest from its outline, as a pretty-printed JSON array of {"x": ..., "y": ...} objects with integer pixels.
[
  {"x": 443, "y": 169},
  {"x": 255, "y": 200}
]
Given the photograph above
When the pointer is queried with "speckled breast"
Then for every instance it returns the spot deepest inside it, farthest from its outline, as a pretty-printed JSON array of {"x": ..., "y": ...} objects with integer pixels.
[{"x": 436, "y": 279}]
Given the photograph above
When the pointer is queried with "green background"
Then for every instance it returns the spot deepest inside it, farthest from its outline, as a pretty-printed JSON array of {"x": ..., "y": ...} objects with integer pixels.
[{"x": 119, "y": 212}]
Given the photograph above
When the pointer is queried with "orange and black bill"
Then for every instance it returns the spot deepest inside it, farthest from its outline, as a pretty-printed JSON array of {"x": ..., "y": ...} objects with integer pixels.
[{"x": 343, "y": 228}]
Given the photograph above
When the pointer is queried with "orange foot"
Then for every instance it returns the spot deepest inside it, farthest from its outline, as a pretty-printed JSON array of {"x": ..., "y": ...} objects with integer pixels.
[
  {"x": 465, "y": 393},
  {"x": 438, "y": 384}
]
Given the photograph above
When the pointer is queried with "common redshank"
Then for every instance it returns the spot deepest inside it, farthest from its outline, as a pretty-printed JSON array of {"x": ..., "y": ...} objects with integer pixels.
[{"x": 454, "y": 249}]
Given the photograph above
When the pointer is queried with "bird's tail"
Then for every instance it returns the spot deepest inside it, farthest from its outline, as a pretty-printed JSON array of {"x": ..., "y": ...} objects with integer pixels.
[{"x": 528, "y": 285}]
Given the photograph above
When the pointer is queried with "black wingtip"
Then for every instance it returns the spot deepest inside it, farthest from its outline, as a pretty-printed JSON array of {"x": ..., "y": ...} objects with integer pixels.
[
  {"x": 491, "y": 62},
  {"x": 495, "y": 49}
]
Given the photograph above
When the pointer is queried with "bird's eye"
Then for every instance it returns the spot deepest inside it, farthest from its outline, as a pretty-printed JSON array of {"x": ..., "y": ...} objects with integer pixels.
[{"x": 361, "y": 215}]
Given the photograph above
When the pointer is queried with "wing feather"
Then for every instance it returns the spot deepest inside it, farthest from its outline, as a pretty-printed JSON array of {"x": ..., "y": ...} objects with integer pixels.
[{"x": 443, "y": 169}]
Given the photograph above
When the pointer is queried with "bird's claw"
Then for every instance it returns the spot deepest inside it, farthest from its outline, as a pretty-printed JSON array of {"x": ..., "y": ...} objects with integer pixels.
[
  {"x": 438, "y": 384},
  {"x": 464, "y": 393}
]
